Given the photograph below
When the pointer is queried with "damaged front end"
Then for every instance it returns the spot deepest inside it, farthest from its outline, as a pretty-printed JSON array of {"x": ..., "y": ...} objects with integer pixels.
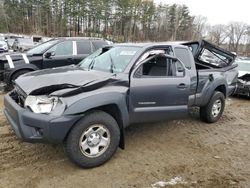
[
  {"x": 38, "y": 104},
  {"x": 49, "y": 99},
  {"x": 243, "y": 85}
]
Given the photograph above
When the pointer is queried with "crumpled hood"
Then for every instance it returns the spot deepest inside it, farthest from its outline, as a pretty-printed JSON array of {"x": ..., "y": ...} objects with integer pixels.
[
  {"x": 245, "y": 77},
  {"x": 49, "y": 80},
  {"x": 242, "y": 73}
]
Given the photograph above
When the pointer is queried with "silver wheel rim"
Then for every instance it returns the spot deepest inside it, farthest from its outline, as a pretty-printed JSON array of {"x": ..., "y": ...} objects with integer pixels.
[
  {"x": 94, "y": 141},
  {"x": 216, "y": 108}
]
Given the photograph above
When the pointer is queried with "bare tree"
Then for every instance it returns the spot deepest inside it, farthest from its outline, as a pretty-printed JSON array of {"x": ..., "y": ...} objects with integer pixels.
[
  {"x": 218, "y": 34},
  {"x": 200, "y": 24},
  {"x": 236, "y": 32}
]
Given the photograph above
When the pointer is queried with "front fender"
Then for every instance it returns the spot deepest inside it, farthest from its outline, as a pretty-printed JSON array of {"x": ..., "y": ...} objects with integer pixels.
[{"x": 98, "y": 100}]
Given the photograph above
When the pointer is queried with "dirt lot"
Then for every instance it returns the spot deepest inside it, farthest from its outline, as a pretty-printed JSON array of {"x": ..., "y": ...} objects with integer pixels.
[{"x": 195, "y": 153}]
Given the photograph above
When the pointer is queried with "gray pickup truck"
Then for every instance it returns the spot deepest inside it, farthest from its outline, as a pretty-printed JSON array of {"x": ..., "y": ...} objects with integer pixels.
[{"x": 87, "y": 106}]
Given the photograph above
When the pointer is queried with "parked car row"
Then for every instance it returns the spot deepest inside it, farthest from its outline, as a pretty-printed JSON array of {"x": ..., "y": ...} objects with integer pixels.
[
  {"x": 21, "y": 43},
  {"x": 53, "y": 53}
]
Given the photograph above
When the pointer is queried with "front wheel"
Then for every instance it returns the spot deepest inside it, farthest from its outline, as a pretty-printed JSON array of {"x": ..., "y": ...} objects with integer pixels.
[
  {"x": 214, "y": 109},
  {"x": 93, "y": 140}
]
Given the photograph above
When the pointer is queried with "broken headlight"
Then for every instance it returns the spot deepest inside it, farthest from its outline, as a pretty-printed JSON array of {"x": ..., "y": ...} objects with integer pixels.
[{"x": 41, "y": 104}]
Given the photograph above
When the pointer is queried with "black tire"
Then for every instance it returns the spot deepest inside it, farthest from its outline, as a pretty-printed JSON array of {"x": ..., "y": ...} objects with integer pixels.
[
  {"x": 72, "y": 144},
  {"x": 207, "y": 114}
]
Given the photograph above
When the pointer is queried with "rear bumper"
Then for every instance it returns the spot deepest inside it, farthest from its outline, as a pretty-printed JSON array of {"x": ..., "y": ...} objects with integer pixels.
[{"x": 32, "y": 127}]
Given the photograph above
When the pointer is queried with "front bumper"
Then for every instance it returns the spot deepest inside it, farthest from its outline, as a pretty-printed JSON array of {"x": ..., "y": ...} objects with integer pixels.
[
  {"x": 32, "y": 127},
  {"x": 3, "y": 50},
  {"x": 243, "y": 90}
]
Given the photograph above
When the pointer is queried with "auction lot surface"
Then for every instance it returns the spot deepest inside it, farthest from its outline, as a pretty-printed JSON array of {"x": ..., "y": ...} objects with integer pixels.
[{"x": 202, "y": 155}]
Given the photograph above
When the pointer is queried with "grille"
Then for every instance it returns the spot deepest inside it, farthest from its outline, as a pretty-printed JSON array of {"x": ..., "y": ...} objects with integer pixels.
[{"x": 21, "y": 95}]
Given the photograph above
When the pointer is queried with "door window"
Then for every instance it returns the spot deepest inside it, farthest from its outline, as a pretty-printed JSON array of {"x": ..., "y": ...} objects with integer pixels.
[
  {"x": 99, "y": 44},
  {"x": 63, "y": 48},
  {"x": 184, "y": 56},
  {"x": 83, "y": 47},
  {"x": 160, "y": 66}
]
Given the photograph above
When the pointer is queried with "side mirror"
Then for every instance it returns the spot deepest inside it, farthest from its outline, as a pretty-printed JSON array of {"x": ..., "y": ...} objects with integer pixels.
[
  {"x": 180, "y": 69},
  {"x": 49, "y": 54}
]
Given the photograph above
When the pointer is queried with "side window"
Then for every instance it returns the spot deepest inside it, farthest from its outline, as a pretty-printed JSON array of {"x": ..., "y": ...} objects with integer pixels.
[
  {"x": 214, "y": 58},
  {"x": 160, "y": 66},
  {"x": 83, "y": 47},
  {"x": 63, "y": 48},
  {"x": 99, "y": 44},
  {"x": 184, "y": 56}
]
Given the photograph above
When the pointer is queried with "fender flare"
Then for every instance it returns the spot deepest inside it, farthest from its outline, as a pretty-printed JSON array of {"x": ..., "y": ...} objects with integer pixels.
[
  {"x": 97, "y": 101},
  {"x": 30, "y": 67},
  {"x": 211, "y": 90}
]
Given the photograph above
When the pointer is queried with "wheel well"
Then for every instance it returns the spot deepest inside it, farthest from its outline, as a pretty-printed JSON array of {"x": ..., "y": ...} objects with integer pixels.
[
  {"x": 19, "y": 70},
  {"x": 222, "y": 89},
  {"x": 112, "y": 110}
]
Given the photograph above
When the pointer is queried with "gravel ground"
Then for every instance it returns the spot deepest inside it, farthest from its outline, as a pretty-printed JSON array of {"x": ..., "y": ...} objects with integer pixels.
[{"x": 184, "y": 153}]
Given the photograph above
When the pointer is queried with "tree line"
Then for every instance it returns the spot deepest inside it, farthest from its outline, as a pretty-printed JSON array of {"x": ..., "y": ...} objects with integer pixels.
[
  {"x": 117, "y": 20},
  {"x": 122, "y": 20}
]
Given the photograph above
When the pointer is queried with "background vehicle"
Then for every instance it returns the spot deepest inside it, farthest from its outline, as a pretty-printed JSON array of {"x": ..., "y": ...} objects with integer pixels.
[
  {"x": 87, "y": 107},
  {"x": 23, "y": 44},
  {"x": 10, "y": 42},
  {"x": 53, "y": 53},
  {"x": 243, "y": 78},
  {"x": 3, "y": 46}
]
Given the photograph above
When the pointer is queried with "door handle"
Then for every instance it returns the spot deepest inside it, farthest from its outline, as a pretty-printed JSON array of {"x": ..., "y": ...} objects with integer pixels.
[{"x": 182, "y": 86}]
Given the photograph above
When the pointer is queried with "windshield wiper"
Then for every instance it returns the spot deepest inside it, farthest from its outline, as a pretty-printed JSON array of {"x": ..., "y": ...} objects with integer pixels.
[
  {"x": 91, "y": 65},
  {"x": 112, "y": 66}
]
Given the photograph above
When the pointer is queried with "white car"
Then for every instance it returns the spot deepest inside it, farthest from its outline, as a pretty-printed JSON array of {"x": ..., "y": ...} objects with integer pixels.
[
  {"x": 243, "y": 78},
  {"x": 243, "y": 67},
  {"x": 3, "y": 46}
]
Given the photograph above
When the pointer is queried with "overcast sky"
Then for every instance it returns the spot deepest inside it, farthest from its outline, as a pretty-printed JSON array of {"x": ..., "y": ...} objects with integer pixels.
[{"x": 217, "y": 11}]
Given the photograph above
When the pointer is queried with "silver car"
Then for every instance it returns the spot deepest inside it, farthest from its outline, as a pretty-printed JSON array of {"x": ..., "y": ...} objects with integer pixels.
[
  {"x": 23, "y": 44},
  {"x": 3, "y": 46}
]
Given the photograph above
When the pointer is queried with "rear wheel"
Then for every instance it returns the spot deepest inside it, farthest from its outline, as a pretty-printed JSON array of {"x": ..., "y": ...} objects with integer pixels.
[
  {"x": 93, "y": 140},
  {"x": 214, "y": 109}
]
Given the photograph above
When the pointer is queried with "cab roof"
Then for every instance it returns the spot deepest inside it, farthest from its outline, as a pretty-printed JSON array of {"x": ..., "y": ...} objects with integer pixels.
[
  {"x": 77, "y": 38},
  {"x": 151, "y": 44}
]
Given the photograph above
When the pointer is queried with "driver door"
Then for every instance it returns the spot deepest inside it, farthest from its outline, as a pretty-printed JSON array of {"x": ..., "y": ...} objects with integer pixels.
[
  {"x": 60, "y": 54},
  {"x": 159, "y": 90}
]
